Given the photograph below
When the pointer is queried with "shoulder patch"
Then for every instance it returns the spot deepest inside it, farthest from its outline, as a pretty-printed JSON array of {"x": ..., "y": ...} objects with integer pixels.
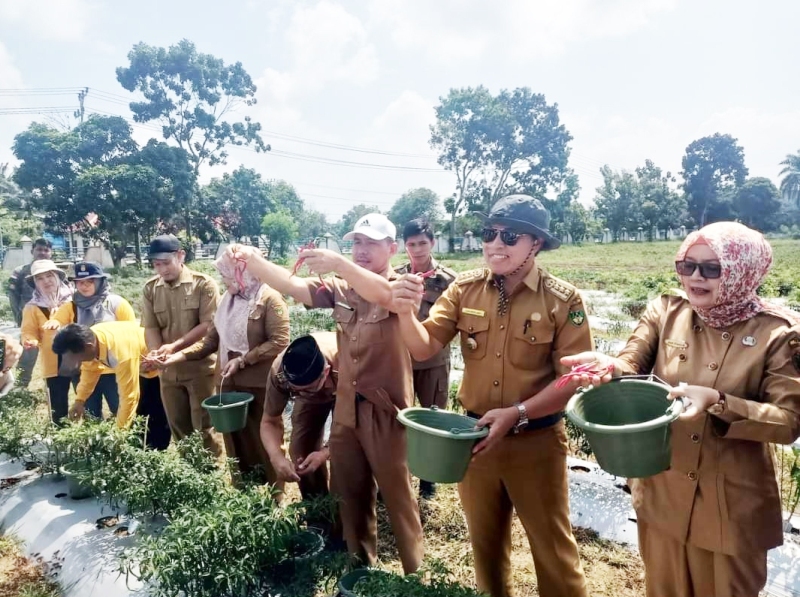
[
  {"x": 558, "y": 288},
  {"x": 472, "y": 276},
  {"x": 447, "y": 273}
]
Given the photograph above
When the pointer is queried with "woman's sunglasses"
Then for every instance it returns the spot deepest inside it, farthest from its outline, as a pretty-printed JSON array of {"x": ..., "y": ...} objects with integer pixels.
[
  {"x": 710, "y": 271},
  {"x": 509, "y": 237}
]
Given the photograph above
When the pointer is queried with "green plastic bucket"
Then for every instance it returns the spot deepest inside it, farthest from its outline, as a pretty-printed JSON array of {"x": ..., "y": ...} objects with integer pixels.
[
  {"x": 439, "y": 443},
  {"x": 228, "y": 410},
  {"x": 627, "y": 423},
  {"x": 77, "y": 490},
  {"x": 347, "y": 583}
]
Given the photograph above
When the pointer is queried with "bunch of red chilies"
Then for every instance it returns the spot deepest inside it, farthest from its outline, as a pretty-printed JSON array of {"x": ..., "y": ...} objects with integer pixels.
[{"x": 590, "y": 369}]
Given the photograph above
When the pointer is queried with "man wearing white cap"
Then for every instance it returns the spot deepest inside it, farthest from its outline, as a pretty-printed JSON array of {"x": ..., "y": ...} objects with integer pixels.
[{"x": 367, "y": 444}]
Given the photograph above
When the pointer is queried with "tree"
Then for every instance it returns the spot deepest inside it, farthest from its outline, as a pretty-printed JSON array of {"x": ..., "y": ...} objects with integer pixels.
[
  {"x": 239, "y": 201},
  {"x": 618, "y": 202},
  {"x": 97, "y": 168},
  {"x": 285, "y": 197},
  {"x": 280, "y": 228},
  {"x": 315, "y": 224},
  {"x": 712, "y": 167},
  {"x": 193, "y": 96},
  {"x": 349, "y": 219},
  {"x": 497, "y": 144},
  {"x": 416, "y": 203},
  {"x": 790, "y": 178},
  {"x": 662, "y": 207},
  {"x": 15, "y": 220},
  {"x": 757, "y": 203}
]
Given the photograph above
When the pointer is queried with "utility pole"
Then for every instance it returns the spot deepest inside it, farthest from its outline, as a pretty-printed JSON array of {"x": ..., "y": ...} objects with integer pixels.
[{"x": 81, "y": 96}]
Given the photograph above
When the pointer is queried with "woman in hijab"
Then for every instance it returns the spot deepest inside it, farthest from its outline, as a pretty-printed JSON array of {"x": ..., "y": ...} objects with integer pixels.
[
  {"x": 706, "y": 523},
  {"x": 250, "y": 328},
  {"x": 50, "y": 292},
  {"x": 93, "y": 302}
]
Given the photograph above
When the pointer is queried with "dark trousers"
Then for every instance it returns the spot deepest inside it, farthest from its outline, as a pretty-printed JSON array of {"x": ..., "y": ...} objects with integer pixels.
[
  {"x": 106, "y": 386},
  {"x": 157, "y": 433},
  {"x": 25, "y": 366},
  {"x": 58, "y": 392}
]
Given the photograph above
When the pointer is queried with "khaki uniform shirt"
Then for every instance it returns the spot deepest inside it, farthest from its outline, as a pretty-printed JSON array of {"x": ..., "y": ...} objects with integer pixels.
[
  {"x": 720, "y": 492},
  {"x": 434, "y": 287},
  {"x": 175, "y": 309},
  {"x": 373, "y": 359},
  {"x": 510, "y": 358},
  {"x": 267, "y": 335},
  {"x": 279, "y": 391}
]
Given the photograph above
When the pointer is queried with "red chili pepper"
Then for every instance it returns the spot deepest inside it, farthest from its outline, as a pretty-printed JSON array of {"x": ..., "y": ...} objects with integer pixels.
[
  {"x": 427, "y": 274},
  {"x": 591, "y": 368},
  {"x": 300, "y": 260}
]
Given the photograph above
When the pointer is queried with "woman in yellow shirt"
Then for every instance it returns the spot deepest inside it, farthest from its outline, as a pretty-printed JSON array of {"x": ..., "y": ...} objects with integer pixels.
[
  {"x": 92, "y": 302},
  {"x": 50, "y": 292}
]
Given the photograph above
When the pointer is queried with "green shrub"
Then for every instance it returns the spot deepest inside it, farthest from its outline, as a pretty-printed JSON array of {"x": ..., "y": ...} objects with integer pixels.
[{"x": 432, "y": 580}]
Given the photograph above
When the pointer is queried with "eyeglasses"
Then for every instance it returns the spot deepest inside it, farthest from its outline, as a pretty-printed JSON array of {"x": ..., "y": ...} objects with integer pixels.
[
  {"x": 710, "y": 271},
  {"x": 509, "y": 237}
]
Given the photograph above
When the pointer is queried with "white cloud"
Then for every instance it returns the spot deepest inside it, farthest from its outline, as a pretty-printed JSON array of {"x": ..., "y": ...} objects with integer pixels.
[
  {"x": 10, "y": 124},
  {"x": 60, "y": 20},
  {"x": 522, "y": 30}
]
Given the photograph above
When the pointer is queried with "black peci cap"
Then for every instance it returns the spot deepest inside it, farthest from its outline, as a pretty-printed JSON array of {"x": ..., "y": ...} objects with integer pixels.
[
  {"x": 303, "y": 362},
  {"x": 164, "y": 246}
]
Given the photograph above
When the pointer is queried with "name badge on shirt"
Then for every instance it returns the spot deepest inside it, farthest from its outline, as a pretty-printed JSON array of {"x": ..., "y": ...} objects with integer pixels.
[
  {"x": 676, "y": 343},
  {"x": 475, "y": 312}
]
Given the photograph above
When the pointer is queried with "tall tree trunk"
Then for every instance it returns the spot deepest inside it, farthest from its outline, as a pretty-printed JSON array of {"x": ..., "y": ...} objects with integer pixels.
[
  {"x": 137, "y": 247},
  {"x": 452, "y": 240}
]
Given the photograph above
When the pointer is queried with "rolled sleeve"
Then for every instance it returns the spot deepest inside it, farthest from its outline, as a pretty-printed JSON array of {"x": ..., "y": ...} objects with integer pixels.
[{"x": 443, "y": 316}]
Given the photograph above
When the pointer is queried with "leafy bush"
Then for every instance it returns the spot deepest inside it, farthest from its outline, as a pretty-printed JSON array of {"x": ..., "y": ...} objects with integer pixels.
[
  {"x": 432, "y": 580},
  {"x": 227, "y": 549}
]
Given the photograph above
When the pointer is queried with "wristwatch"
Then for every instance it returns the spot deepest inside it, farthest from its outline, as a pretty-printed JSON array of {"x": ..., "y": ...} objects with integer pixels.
[
  {"x": 522, "y": 421},
  {"x": 718, "y": 408}
]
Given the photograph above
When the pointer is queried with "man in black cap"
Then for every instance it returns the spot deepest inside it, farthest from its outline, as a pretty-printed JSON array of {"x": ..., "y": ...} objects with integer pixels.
[
  {"x": 177, "y": 306},
  {"x": 306, "y": 371},
  {"x": 515, "y": 322}
]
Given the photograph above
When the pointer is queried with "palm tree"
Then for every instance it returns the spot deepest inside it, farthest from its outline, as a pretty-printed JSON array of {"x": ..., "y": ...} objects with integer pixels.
[{"x": 790, "y": 181}]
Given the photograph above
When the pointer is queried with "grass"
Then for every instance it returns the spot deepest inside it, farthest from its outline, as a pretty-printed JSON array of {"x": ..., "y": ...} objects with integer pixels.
[{"x": 25, "y": 577}]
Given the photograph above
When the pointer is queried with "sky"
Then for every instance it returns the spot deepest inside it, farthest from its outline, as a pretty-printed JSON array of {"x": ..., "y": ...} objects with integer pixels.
[{"x": 347, "y": 89}]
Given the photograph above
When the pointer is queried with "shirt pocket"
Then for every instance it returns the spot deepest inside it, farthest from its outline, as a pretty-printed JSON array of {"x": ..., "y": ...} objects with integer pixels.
[
  {"x": 532, "y": 349},
  {"x": 474, "y": 332},
  {"x": 374, "y": 327},
  {"x": 343, "y": 317},
  {"x": 161, "y": 310}
]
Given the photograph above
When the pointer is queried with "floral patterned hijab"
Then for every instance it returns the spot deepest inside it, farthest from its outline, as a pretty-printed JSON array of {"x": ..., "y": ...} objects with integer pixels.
[{"x": 745, "y": 257}]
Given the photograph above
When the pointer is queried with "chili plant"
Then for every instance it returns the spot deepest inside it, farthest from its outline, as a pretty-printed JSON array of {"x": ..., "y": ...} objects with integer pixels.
[{"x": 432, "y": 580}]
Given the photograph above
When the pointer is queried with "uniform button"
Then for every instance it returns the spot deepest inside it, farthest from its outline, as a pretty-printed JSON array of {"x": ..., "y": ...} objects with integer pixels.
[
  {"x": 497, "y": 354},
  {"x": 495, "y": 383},
  {"x": 471, "y": 329},
  {"x": 726, "y": 336},
  {"x": 353, "y": 338},
  {"x": 375, "y": 316},
  {"x": 533, "y": 338},
  {"x": 681, "y": 357},
  {"x": 692, "y": 475},
  {"x": 695, "y": 438},
  {"x": 502, "y": 327},
  {"x": 361, "y": 319},
  {"x": 713, "y": 366},
  {"x": 355, "y": 360},
  {"x": 354, "y": 382},
  {"x": 696, "y": 329}
]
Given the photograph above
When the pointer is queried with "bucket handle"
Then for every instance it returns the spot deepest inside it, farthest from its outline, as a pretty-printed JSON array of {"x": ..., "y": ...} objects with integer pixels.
[
  {"x": 454, "y": 430},
  {"x": 219, "y": 393},
  {"x": 648, "y": 377}
]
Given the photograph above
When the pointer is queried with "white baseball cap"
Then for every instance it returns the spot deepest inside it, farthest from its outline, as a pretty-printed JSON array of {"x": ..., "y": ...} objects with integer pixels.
[{"x": 375, "y": 226}]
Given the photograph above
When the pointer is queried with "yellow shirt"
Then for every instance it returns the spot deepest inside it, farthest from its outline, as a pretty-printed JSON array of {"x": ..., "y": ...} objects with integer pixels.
[
  {"x": 121, "y": 347},
  {"x": 66, "y": 315},
  {"x": 33, "y": 318}
]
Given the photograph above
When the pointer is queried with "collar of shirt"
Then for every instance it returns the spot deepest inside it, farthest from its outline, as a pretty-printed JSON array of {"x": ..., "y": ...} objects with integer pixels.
[{"x": 184, "y": 278}]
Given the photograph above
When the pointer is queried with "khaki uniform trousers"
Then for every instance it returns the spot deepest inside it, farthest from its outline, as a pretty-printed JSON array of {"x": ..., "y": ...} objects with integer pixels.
[
  {"x": 431, "y": 386},
  {"x": 308, "y": 430},
  {"x": 375, "y": 451},
  {"x": 676, "y": 569},
  {"x": 185, "y": 413},
  {"x": 527, "y": 473},
  {"x": 245, "y": 445}
]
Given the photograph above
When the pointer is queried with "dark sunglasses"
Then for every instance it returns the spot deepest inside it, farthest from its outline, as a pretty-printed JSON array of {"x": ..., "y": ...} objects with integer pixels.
[
  {"x": 710, "y": 271},
  {"x": 509, "y": 237}
]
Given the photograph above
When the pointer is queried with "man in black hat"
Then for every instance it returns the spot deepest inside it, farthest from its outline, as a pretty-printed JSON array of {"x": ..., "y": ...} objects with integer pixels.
[
  {"x": 515, "y": 322},
  {"x": 307, "y": 372},
  {"x": 177, "y": 305}
]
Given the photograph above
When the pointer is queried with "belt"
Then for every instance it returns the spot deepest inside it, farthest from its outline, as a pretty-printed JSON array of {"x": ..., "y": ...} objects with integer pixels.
[{"x": 533, "y": 424}]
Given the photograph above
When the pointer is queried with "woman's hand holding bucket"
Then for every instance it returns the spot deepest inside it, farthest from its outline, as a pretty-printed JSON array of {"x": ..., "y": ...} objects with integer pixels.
[{"x": 697, "y": 399}]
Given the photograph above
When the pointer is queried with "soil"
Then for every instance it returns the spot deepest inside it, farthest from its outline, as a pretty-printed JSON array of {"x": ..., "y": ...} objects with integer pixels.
[{"x": 25, "y": 576}]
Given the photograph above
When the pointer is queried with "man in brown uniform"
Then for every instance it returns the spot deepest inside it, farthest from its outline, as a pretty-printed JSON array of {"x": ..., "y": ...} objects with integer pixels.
[
  {"x": 367, "y": 443},
  {"x": 177, "y": 306},
  {"x": 431, "y": 377},
  {"x": 515, "y": 322},
  {"x": 307, "y": 371}
]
